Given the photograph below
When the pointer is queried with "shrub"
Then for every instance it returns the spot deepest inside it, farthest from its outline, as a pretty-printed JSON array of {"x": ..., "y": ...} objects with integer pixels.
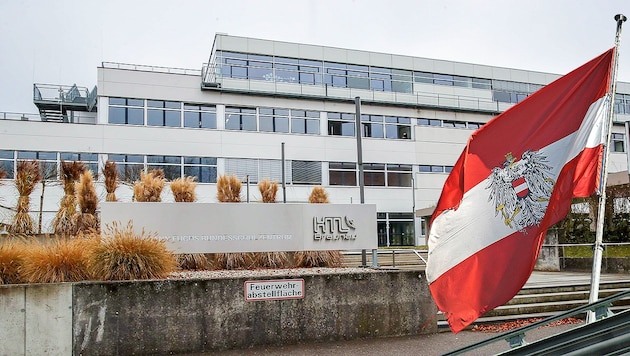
[
  {"x": 59, "y": 260},
  {"x": 10, "y": 260},
  {"x": 193, "y": 261},
  {"x": 268, "y": 191},
  {"x": 27, "y": 176},
  {"x": 149, "y": 187},
  {"x": 110, "y": 171},
  {"x": 124, "y": 255}
]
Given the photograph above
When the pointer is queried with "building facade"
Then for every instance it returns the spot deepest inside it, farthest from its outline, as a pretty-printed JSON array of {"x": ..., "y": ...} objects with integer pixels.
[{"x": 259, "y": 103}]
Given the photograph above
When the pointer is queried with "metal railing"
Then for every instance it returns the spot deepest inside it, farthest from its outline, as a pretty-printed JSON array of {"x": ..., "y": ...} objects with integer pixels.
[
  {"x": 516, "y": 337},
  {"x": 149, "y": 68},
  {"x": 393, "y": 254},
  {"x": 63, "y": 94}
]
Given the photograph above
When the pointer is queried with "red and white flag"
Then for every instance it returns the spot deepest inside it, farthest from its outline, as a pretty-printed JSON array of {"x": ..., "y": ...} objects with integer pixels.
[{"x": 515, "y": 178}]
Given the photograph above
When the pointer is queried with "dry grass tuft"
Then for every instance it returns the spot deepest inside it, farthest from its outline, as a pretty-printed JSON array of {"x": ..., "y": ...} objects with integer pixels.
[
  {"x": 233, "y": 260},
  {"x": 184, "y": 189},
  {"x": 194, "y": 262},
  {"x": 11, "y": 259},
  {"x": 270, "y": 260},
  {"x": 228, "y": 189},
  {"x": 27, "y": 176},
  {"x": 65, "y": 221},
  {"x": 268, "y": 190},
  {"x": 59, "y": 260},
  {"x": 124, "y": 255},
  {"x": 309, "y": 259},
  {"x": 318, "y": 196},
  {"x": 3, "y": 173},
  {"x": 149, "y": 187},
  {"x": 88, "y": 201},
  {"x": 110, "y": 171}
]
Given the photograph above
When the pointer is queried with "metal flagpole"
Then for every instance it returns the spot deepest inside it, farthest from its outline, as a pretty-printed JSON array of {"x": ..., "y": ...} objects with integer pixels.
[{"x": 598, "y": 248}]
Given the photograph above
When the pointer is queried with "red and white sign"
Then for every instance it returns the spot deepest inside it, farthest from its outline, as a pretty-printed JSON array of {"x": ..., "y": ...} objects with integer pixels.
[{"x": 274, "y": 289}]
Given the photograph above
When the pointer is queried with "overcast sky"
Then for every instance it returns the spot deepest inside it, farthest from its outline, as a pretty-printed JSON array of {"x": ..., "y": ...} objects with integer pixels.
[{"x": 63, "y": 41}]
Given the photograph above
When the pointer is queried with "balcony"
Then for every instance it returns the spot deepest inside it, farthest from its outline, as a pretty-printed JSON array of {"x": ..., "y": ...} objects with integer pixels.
[{"x": 59, "y": 102}]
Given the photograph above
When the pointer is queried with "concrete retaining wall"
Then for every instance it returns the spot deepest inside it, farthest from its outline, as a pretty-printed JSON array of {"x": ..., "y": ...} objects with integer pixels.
[
  {"x": 609, "y": 264},
  {"x": 193, "y": 316}
]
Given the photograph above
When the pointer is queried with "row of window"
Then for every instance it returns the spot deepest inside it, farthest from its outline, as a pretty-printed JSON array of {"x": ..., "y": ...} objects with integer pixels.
[
  {"x": 311, "y": 72},
  {"x": 204, "y": 169}
]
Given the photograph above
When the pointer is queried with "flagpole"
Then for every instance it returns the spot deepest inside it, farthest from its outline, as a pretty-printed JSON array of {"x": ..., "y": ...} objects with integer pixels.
[{"x": 599, "y": 234}]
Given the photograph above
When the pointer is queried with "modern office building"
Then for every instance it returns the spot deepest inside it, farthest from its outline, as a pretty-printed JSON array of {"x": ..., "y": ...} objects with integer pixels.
[{"x": 258, "y": 101}]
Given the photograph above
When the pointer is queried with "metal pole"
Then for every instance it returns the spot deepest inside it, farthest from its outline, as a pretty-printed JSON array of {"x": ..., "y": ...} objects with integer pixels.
[
  {"x": 598, "y": 248},
  {"x": 284, "y": 186},
  {"x": 358, "y": 134},
  {"x": 247, "y": 180},
  {"x": 413, "y": 207}
]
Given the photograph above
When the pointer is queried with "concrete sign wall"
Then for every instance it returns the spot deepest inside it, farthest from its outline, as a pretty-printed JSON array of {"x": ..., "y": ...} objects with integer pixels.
[{"x": 254, "y": 227}]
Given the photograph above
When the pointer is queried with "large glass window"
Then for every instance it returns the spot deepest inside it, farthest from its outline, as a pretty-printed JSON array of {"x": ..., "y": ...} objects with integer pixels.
[
  {"x": 340, "y": 124},
  {"x": 47, "y": 162},
  {"x": 342, "y": 173},
  {"x": 398, "y": 127},
  {"x": 374, "y": 174},
  {"x": 305, "y": 122},
  {"x": 306, "y": 172},
  {"x": 372, "y": 126},
  {"x": 200, "y": 116},
  {"x": 171, "y": 165},
  {"x": 7, "y": 163},
  {"x": 163, "y": 113},
  {"x": 274, "y": 120},
  {"x": 126, "y": 111},
  {"x": 395, "y": 229},
  {"x": 129, "y": 166},
  {"x": 204, "y": 169},
  {"x": 399, "y": 175},
  {"x": 237, "y": 118},
  {"x": 89, "y": 159}
]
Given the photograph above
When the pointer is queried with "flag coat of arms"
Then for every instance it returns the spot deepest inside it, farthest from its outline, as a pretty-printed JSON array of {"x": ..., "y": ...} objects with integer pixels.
[{"x": 515, "y": 178}]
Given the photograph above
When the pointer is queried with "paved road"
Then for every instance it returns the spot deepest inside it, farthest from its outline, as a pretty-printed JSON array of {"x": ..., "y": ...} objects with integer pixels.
[{"x": 433, "y": 344}]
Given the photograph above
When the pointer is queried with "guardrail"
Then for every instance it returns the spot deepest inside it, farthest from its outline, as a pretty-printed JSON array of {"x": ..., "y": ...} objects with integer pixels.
[
  {"x": 149, "y": 68},
  {"x": 395, "y": 258}
]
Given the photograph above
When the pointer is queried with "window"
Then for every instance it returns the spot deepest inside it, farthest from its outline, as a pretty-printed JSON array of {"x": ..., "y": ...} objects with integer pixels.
[
  {"x": 126, "y": 111},
  {"x": 274, "y": 120},
  {"x": 200, "y": 116},
  {"x": 163, "y": 113},
  {"x": 372, "y": 126},
  {"x": 618, "y": 142},
  {"x": 129, "y": 166},
  {"x": 240, "y": 119},
  {"x": 395, "y": 229},
  {"x": 7, "y": 163},
  {"x": 306, "y": 172},
  {"x": 457, "y": 124},
  {"x": 89, "y": 159},
  {"x": 399, "y": 175},
  {"x": 342, "y": 173},
  {"x": 204, "y": 169},
  {"x": 257, "y": 169},
  {"x": 429, "y": 122},
  {"x": 424, "y": 168},
  {"x": 171, "y": 165},
  {"x": 47, "y": 162},
  {"x": 374, "y": 174},
  {"x": 398, "y": 127},
  {"x": 305, "y": 122},
  {"x": 340, "y": 124},
  {"x": 401, "y": 81}
]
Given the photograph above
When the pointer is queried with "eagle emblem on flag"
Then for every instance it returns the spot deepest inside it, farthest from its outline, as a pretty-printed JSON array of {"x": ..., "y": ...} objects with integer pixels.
[{"x": 520, "y": 189}]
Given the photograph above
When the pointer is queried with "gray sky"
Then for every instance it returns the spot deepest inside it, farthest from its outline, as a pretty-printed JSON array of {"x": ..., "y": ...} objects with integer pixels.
[{"x": 63, "y": 41}]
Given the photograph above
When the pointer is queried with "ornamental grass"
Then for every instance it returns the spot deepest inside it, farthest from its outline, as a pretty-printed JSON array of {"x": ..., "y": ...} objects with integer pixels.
[
  {"x": 3, "y": 174},
  {"x": 123, "y": 254},
  {"x": 228, "y": 189},
  {"x": 11, "y": 250},
  {"x": 64, "y": 223},
  {"x": 149, "y": 187},
  {"x": 58, "y": 260},
  {"x": 318, "y": 258},
  {"x": 86, "y": 219},
  {"x": 110, "y": 171},
  {"x": 184, "y": 189},
  {"x": 184, "y": 192},
  {"x": 27, "y": 176}
]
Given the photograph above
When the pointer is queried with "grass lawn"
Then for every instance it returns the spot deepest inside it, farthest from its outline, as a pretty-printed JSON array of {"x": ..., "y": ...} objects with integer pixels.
[{"x": 587, "y": 251}]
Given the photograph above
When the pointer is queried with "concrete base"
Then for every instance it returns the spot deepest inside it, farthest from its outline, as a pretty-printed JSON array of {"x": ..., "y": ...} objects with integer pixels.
[{"x": 200, "y": 315}]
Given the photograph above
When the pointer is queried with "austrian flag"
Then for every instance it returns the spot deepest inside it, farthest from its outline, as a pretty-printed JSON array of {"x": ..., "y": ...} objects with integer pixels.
[{"x": 516, "y": 178}]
